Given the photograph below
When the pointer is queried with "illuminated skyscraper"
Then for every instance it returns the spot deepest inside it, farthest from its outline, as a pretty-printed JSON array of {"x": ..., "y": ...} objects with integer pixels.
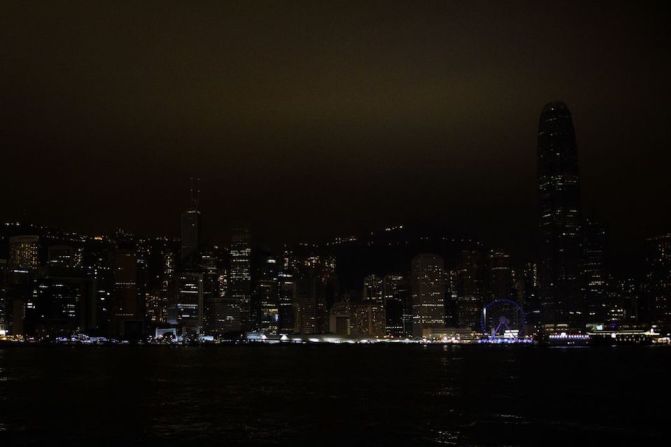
[
  {"x": 370, "y": 315},
  {"x": 559, "y": 219},
  {"x": 98, "y": 264},
  {"x": 624, "y": 301},
  {"x": 213, "y": 298},
  {"x": 657, "y": 303},
  {"x": 593, "y": 273},
  {"x": 24, "y": 252},
  {"x": 287, "y": 292},
  {"x": 159, "y": 274},
  {"x": 188, "y": 310},
  {"x": 63, "y": 256},
  {"x": 428, "y": 295},
  {"x": 266, "y": 294},
  {"x": 240, "y": 281}
]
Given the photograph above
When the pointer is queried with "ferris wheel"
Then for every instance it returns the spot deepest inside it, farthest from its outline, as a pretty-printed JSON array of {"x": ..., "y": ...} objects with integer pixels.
[{"x": 503, "y": 318}]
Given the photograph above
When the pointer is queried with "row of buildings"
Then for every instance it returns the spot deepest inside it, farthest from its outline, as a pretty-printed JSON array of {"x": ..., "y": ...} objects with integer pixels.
[
  {"x": 118, "y": 286},
  {"x": 391, "y": 283}
]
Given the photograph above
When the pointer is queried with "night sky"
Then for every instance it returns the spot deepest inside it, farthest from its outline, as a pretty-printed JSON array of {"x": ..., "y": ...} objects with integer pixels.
[{"x": 307, "y": 119}]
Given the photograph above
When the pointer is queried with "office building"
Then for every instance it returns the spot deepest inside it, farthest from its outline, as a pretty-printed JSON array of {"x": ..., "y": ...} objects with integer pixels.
[
  {"x": 428, "y": 295},
  {"x": 559, "y": 218}
]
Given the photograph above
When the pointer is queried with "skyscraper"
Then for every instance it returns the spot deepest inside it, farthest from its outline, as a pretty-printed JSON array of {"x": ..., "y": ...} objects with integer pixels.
[
  {"x": 60, "y": 305},
  {"x": 266, "y": 295},
  {"x": 190, "y": 223},
  {"x": 469, "y": 282},
  {"x": 657, "y": 305},
  {"x": 240, "y": 280},
  {"x": 559, "y": 219},
  {"x": 398, "y": 309},
  {"x": 428, "y": 295},
  {"x": 190, "y": 229},
  {"x": 286, "y": 292},
  {"x": 63, "y": 256},
  {"x": 526, "y": 291},
  {"x": 500, "y": 281},
  {"x": 159, "y": 274},
  {"x": 593, "y": 272},
  {"x": 315, "y": 278},
  {"x": 24, "y": 252},
  {"x": 188, "y": 309},
  {"x": 212, "y": 300},
  {"x": 370, "y": 315},
  {"x": 99, "y": 264},
  {"x": 127, "y": 307}
]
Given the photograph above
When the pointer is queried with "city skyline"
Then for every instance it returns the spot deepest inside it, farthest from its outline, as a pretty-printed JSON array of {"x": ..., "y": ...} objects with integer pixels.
[{"x": 349, "y": 223}]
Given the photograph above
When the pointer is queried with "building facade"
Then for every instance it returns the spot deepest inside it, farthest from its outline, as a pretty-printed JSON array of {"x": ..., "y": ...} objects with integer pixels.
[{"x": 428, "y": 295}]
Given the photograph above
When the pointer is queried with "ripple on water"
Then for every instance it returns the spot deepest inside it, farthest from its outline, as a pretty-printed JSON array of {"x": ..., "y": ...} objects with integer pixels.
[
  {"x": 446, "y": 437},
  {"x": 511, "y": 419},
  {"x": 448, "y": 391}
]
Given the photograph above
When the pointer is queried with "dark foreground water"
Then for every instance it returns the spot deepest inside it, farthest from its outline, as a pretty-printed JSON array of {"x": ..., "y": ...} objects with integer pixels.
[{"x": 334, "y": 395}]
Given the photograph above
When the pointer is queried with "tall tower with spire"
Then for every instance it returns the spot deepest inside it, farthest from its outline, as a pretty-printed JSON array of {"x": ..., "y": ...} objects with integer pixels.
[
  {"x": 559, "y": 218},
  {"x": 190, "y": 226}
]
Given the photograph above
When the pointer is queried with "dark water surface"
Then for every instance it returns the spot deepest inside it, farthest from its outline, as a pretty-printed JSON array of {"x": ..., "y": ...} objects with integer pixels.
[{"x": 334, "y": 395}]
